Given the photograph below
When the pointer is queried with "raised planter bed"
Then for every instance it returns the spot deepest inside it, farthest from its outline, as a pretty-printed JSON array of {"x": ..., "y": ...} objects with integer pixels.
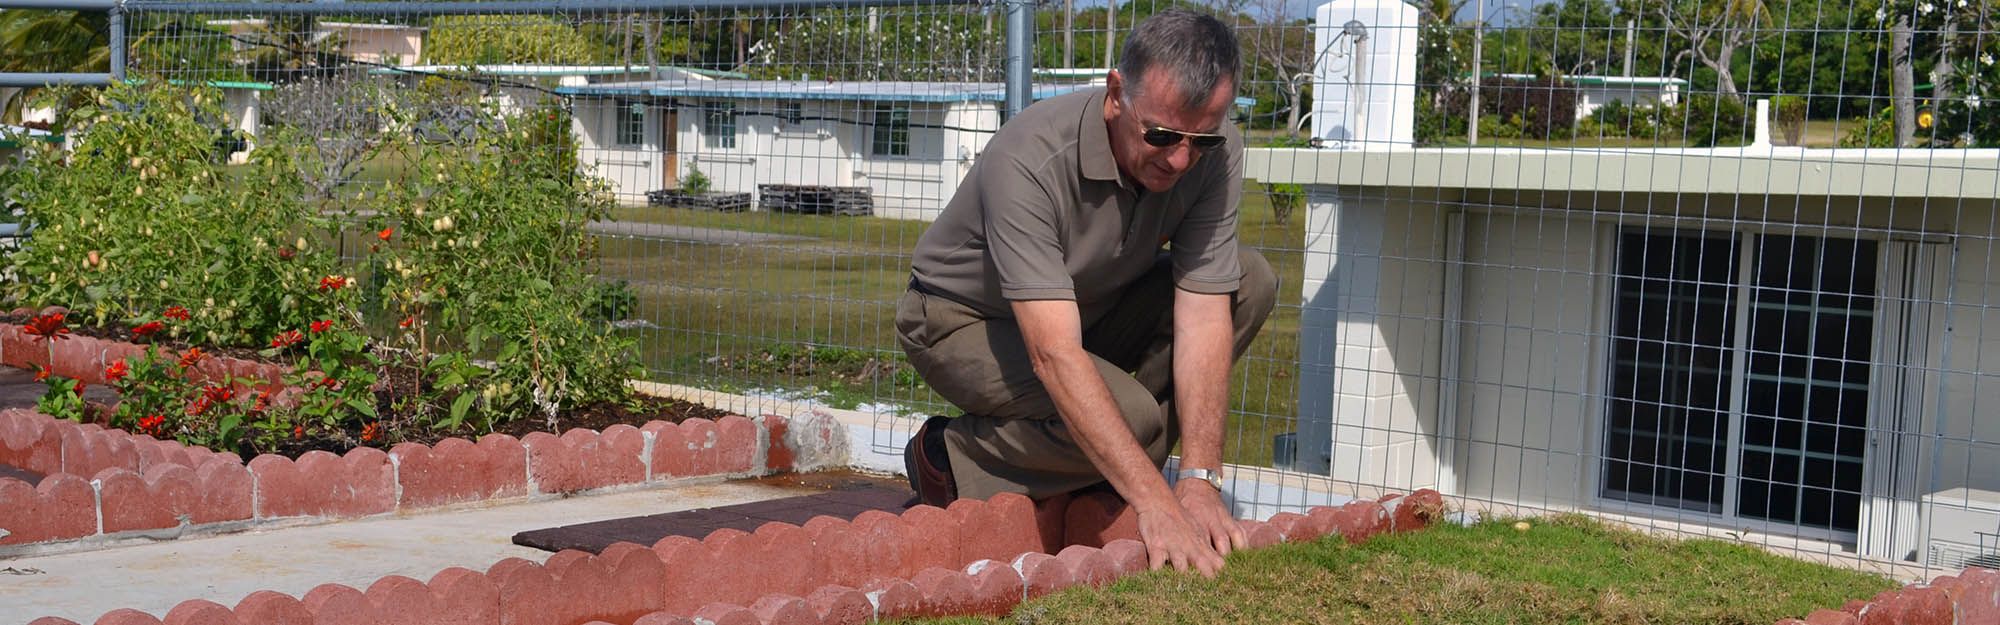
[
  {"x": 711, "y": 201},
  {"x": 106, "y": 485}
]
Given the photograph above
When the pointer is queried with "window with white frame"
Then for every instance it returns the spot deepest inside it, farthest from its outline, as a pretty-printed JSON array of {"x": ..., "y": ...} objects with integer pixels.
[
  {"x": 890, "y": 135},
  {"x": 719, "y": 125},
  {"x": 631, "y": 123},
  {"x": 1739, "y": 375}
]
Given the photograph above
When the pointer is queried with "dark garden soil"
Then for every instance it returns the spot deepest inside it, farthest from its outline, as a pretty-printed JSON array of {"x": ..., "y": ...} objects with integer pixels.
[{"x": 636, "y": 411}]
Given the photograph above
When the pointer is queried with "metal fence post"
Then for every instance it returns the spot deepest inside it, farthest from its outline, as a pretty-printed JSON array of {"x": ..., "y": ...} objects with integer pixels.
[
  {"x": 1020, "y": 67},
  {"x": 118, "y": 41}
]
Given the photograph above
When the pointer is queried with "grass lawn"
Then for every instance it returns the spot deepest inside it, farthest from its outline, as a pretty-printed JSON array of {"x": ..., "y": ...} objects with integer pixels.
[
  {"x": 816, "y": 314},
  {"x": 1568, "y": 570}
]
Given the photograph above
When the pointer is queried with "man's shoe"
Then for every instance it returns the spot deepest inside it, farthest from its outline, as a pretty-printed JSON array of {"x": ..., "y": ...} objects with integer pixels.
[{"x": 930, "y": 471}]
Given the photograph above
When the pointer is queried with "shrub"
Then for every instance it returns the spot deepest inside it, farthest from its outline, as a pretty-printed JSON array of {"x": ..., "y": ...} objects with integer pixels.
[
  {"x": 1707, "y": 120},
  {"x": 694, "y": 182},
  {"x": 473, "y": 276},
  {"x": 1789, "y": 115},
  {"x": 1543, "y": 108},
  {"x": 1877, "y": 131},
  {"x": 138, "y": 219}
]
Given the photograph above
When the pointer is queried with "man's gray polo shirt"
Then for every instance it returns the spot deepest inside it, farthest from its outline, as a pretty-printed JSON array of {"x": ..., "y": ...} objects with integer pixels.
[{"x": 1044, "y": 214}]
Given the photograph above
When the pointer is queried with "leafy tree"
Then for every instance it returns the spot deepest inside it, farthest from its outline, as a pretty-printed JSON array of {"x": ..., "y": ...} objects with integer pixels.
[
  {"x": 1715, "y": 30},
  {"x": 492, "y": 39},
  {"x": 838, "y": 44}
]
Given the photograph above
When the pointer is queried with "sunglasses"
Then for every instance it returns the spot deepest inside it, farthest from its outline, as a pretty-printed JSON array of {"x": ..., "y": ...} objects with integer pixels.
[{"x": 1162, "y": 137}]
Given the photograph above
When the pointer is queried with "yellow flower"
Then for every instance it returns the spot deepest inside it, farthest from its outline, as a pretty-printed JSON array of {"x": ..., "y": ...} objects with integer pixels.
[{"x": 1925, "y": 118}]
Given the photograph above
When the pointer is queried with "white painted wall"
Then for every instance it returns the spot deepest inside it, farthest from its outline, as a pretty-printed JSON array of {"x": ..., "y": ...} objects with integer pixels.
[
  {"x": 828, "y": 146},
  {"x": 1589, "y": 98},
  {"x": 1370, "y": 340},
  {"x": 1527, "y": 404}
]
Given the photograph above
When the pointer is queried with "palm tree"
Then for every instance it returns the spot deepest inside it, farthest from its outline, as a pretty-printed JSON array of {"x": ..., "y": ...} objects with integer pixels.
[{"x": 50, "y": 41}]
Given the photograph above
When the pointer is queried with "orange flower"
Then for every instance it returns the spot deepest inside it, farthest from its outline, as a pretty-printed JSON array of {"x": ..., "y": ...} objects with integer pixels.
[
  {"x": 116, "y": 371},
  {"x": 192, "y": 357},
  {"x": 151, "y": 424},
  {"x": 287, "y": 338},
  {"x": 262, "y": 402},
  {"x": 385, "y": 233},
  {"x": 47, "y": 327},
  {"x": 147, "y": 328},
  {"x": 41, "y": 373},
  {"x": 322, "y": 325},
  {"x": 198, "y": 406},
  {"x": 371, "y": 432},
  {"x": 79, "y": 388},
  {"x": 218, "y": 394},
  {"x": 298, "y": 431},
  {"x": 407, "y": 322},
  {"x": 176, "y": 313}
]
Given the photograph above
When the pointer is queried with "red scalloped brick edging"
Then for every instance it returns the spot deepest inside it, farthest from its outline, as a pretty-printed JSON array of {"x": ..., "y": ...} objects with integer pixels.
[
  {"x": 1972, "y": 596},
  {"x": 108, "y": 483},
  {"x": 973, "y": 558},
  {"x": 84, "y": 358}
]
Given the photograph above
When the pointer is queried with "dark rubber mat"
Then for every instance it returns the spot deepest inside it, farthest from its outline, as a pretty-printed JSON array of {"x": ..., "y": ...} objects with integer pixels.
[
  {"x": 846, "y": 499},
  {"x": 31, "y": 477}
]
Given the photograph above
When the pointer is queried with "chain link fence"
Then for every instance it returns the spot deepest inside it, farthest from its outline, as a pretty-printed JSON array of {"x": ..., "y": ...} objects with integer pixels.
[{"x": 1711, "y": 267}]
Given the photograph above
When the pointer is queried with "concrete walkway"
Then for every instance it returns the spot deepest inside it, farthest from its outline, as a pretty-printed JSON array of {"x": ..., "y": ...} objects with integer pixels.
[{"x": 154, "y": 577}]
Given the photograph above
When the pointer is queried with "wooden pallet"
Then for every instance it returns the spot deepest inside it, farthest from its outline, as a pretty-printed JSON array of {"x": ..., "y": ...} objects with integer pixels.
[
  {"x": 712, "y": 201},
  {"x": 817, "y": 200}
]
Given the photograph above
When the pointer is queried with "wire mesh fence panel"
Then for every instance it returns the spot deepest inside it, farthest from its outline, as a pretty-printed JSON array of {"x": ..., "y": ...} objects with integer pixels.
[{"x": 1708, "y": 267}]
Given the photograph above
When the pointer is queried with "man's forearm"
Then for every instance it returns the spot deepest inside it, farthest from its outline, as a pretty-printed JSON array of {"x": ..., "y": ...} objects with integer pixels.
[
  {"x": 1084, "y": 402},
  {"x": 1202, "y": 337},
  {"x": 1087, "y": 407}
]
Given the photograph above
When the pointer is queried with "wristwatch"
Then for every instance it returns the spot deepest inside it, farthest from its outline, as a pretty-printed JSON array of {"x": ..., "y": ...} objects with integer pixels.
[{"x": 1213, "y": 477}]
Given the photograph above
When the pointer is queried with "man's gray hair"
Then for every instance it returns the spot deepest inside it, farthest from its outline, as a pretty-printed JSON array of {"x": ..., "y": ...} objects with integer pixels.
[{"x": 1197, "y": 51}]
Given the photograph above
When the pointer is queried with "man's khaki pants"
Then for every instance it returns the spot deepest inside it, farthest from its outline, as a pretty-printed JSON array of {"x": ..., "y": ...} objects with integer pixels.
[{"x": 1011, "y": 439}]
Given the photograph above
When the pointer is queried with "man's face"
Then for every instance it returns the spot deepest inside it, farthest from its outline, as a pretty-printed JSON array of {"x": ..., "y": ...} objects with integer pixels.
[{"x": 1131, "y": 117}]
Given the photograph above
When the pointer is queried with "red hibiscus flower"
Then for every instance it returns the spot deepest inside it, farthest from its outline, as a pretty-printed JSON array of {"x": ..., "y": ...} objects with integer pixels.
[
  {"x": 322, "y": 325},
  {"x": 385, "y": 234},
  {"x": 47, "y": 327},
  {"x": 287, "y": 338},
  {"x": 371, "y": 432},
  {"x": 176, "y": 313},
  {"x": 117, "y": 371},
  {"x": 192, "y": 357},
  {"x": 147, "y": 329}
]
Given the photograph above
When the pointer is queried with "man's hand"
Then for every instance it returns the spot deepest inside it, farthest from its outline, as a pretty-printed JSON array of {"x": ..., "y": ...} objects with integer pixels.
[
  {"x": 1206, "y": 511},
  {"x": 1170, "y": 539}
]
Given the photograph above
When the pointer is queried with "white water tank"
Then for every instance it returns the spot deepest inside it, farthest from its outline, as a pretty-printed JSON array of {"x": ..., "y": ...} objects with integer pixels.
[{"x": 1365, "y": 74}]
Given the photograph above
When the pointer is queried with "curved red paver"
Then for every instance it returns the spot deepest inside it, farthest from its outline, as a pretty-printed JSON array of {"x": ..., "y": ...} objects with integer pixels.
[
  {"x": 458, "y": 470},
  {"x": 584, "y": 459},
  {"x": 62, "y": 506},
  {"x": 358, "y": 484},
  {"x": 841, "y": 605},
  {"x": 201, "y": 612},
  {"x": 996, "y": 587},
  {"x": 266, "y": 607}
]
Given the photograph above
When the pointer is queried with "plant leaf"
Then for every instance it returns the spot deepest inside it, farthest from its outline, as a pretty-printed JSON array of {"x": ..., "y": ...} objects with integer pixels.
[{"x": 459, "y": 406}]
